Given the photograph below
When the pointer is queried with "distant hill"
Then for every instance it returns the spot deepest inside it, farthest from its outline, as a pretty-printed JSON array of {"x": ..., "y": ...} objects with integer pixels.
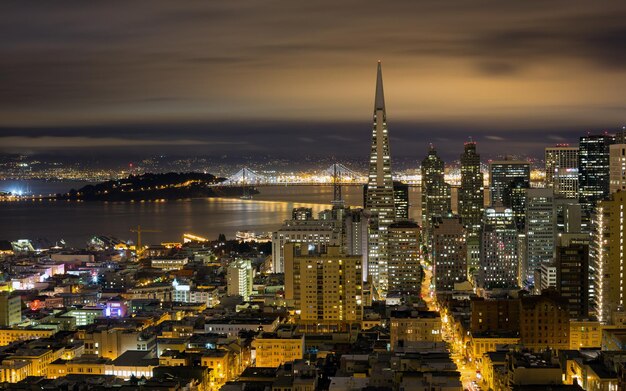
[{"x": 147, "y": 187}]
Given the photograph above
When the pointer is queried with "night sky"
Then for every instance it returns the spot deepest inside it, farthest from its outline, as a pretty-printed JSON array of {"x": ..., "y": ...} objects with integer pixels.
[{"x": 291, "y": 77}]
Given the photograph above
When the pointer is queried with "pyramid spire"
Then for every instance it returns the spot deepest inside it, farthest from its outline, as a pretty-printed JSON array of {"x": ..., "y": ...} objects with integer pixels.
[{"x": 379, "y": 101}]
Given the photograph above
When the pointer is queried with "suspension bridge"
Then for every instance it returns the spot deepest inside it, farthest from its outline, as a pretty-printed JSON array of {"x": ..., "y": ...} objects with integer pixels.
[{"x": 336, "y": 174}]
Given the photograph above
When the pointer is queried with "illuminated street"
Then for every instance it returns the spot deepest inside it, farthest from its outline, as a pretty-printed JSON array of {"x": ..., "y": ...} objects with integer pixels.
[{"x": 468, "y": 373}]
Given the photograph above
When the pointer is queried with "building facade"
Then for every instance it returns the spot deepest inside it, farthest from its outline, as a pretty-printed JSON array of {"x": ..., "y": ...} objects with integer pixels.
[
  {"x": 449, "y": 252},
  {"x": 471, "y": 197},
  {"x": 562, "y": 170},
  {"x": 379, "y": 199}
]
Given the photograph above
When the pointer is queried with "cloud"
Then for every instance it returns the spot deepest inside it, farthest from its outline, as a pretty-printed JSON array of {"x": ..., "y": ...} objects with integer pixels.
[
  {"x": 52, "y": 142},
  {"x": 495, "y": 138}
]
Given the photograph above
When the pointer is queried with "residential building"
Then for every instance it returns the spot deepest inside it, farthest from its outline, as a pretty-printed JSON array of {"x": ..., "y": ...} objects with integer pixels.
[{"x": 324, "y": 287}]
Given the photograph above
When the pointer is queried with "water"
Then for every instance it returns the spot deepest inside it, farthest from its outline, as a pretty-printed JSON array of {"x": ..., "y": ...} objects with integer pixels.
[{"x": 76, "y": 222}]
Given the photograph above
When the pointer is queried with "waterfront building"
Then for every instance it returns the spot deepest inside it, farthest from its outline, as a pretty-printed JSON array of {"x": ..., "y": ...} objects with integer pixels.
[
  {"x": 499, "y": 249},
  {"x": 436, "y": 193},
  {"x": 405, "y": 272},
  {"x": 449, "y": 252},
  {"x": 607, "y": 277},
  {"x": 471, "y": 198},
  {"x": 379, "y": 200},
  {"x": 302, "y": 213},
  {"x": 562, "y": 170},
  {"x": 593, "y": 169},
  {"x": 324, "y": 287},
  {"x": 239, "y": 278}
]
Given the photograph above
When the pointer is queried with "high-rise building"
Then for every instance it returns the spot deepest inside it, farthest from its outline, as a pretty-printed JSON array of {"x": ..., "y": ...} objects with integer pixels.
[
  {"x": 572, "y": 273},
  {"x": 562, "y": 170},
  {"x": 471, "y": 193},
  {"x": 449, "y": 252},
  {"x": 405, "y": 273},
  {"x": 401, "y": 200},
  {"x": 239, "y": 278},
  {"x": 379, "y": 200},
  {"x": 568, "y": 214},
  {"x": 498, "y": 249},
  {"x": 324, "y": 287},
  {"x": 617, "y": 167},
  {"x": 607, "y": 277},
  {"x": 436, "y": 193},
  {"x": 502, "y": 174},
  {"x": 315, "y": 233},
  {"x": 515, "y": 198},
  {"x": 355, "y": 235},
  {"x": 10, "y": 309},
  {"x": 593, "y": 169},
  {"x": 540, "y": 230}
]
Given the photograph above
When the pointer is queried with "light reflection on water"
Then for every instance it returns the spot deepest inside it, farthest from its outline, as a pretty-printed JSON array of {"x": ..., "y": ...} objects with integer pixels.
[{"x": 77, "y": 222}]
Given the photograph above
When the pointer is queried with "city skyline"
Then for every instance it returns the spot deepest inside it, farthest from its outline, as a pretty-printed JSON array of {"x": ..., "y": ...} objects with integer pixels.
[{"x": 221, "y": 78}]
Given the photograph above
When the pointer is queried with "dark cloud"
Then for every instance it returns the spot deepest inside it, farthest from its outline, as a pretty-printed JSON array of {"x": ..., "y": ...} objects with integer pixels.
[{"x": 276, "y": 70}]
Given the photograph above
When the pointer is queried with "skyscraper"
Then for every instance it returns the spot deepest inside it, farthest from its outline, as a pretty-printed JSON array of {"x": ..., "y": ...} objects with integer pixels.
[
  {"x": 405, "y": 273},
  {"x": 498, "y": 249},
  {"x": 436, "y": 194},
  {"x": 562, "y": 170},
  {"x": 540, "y": 230},
  {"x": 379, "y": 198},
  {"x": 449, "y": 253},
  {"x": 617, "y": 167},
  {"x": 502, "y": 174},
  {"x": 607, "y": 280},
  {"x": 471, "y": 192},
  {"x": 593, "y": 169}
]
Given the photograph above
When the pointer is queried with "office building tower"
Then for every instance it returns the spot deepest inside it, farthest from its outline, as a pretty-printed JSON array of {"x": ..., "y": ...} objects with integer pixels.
[
  {"x": 617, "y": 167},
  {"x": 239, "y": 278},
  {"x": 607, "y": 277},
  {"x": 473, "y": 255},
  {"x": 501, "y": 176},
  {"x": 498, "y": 249},
  {"x": 572, "y": 273},
  {"x": 301, "y": 213},
  {"x": 10, "y": 309},
  {"x": 401, "y": 200},
  {"x": 355, "y": 235},
  {"x": 325, "y": 287},
  {"x": 568, "y": 214},
  {"x": 449, "y": 252},
  {"x": 379, "y": 200},
  {"x": 515, "y": 198},
  {"x": 593, "y": 170},
  {"x": 540, "y": 230},
  {"x": 405, "y": 273},
  {"x": 315, "y": 233},
  {"x": 562, "y": 170},
  {"x": 471, "y": 199},
  {"x": 436, "y": 193}
]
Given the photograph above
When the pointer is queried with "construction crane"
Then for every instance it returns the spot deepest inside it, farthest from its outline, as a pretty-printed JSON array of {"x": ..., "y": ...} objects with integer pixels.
[{"x": 138, "y": 247}]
